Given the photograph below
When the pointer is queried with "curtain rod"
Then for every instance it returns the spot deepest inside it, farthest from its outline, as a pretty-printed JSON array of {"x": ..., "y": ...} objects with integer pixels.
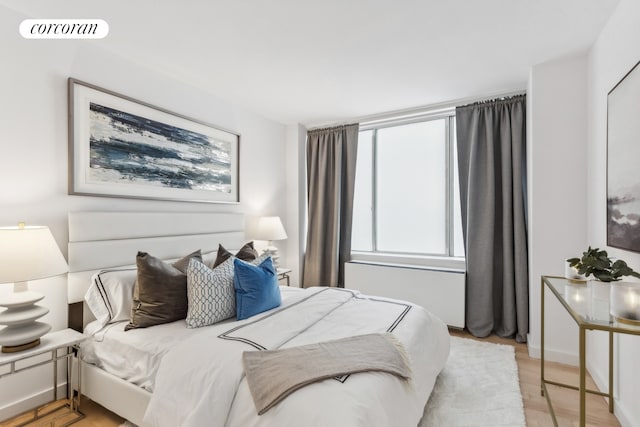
[{"x": 415, "y": 111}]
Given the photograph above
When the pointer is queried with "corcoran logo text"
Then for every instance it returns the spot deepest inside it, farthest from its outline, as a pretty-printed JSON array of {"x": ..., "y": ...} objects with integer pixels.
[{"x": 64, "y": 29}]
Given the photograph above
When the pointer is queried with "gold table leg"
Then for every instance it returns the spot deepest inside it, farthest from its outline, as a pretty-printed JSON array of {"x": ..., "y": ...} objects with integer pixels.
[
  {"x": 542, "y": 339},
  {"x": 582, "y": 377}
]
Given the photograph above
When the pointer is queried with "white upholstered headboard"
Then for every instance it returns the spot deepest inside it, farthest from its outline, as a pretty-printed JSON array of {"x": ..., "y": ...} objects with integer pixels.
[{"x": 112, "y": 239}]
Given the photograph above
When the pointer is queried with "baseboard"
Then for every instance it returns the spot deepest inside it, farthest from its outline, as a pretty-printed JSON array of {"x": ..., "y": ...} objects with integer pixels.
[
  {"x": 551, "y": 355},
  {"x": 622, "y": 414},
  {"x": 31, "y": 402},
  {"x": 619, "y": 410}
]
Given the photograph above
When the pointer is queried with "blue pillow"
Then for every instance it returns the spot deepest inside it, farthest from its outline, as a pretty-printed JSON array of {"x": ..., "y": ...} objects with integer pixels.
[{"x": 256, "y": 288}]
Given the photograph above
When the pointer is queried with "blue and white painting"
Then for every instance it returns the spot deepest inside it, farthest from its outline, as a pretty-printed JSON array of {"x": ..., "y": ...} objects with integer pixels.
[{"x": 130, "y": 149}]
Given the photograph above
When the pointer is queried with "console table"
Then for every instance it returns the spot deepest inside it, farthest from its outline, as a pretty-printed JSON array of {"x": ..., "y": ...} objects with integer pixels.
[{"x": 588, "y": 304}]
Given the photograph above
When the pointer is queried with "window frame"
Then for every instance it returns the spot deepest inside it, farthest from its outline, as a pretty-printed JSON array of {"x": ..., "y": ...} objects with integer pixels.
[{"x": 441, "y": 260}]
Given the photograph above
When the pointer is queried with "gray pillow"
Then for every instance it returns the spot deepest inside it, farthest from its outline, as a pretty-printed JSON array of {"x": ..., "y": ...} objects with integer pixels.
[
  {"x": 160, "y": 292},
  {"x": 246, "y": 253},
  {"x": 210, "y": 293}
]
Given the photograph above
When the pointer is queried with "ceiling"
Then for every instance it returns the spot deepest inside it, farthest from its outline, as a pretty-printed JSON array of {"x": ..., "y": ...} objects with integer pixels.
[{"x": 326, "y": 61}]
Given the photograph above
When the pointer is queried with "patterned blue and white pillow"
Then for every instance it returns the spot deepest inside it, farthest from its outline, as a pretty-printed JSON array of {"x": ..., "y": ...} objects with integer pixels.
[{"x": 210, "y": 293}]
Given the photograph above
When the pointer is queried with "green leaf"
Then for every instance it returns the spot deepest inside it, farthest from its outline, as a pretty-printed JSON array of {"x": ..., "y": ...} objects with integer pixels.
[{"x": 597, "y": 263}]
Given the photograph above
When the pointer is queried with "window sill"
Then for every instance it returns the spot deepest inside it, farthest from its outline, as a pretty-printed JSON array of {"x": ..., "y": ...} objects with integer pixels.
[{"x": 453, "y": 264}]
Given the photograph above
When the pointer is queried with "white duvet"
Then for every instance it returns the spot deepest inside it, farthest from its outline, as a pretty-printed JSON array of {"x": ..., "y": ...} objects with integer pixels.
[{"x": 200, "y": 382}]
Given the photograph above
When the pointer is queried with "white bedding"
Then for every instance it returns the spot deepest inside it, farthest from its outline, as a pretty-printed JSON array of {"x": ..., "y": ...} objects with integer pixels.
[
  {"x": 196, "y": 376},
  {"x": 135, "y": 355},
  {"x": 200, "y": 379}
]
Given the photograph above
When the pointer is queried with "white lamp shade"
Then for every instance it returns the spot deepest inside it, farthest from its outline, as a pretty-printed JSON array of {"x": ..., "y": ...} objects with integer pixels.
[
  {"x": 270, "y": 228},
  {"x": 29, "y": 253}
]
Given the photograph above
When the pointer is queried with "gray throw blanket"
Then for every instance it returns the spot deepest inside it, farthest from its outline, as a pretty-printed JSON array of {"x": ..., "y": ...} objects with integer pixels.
[{"x": 274, "y": 374}]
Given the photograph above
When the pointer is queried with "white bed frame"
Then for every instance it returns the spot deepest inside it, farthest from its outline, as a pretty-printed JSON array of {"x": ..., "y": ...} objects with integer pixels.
[{"x": 100, "y": 240}]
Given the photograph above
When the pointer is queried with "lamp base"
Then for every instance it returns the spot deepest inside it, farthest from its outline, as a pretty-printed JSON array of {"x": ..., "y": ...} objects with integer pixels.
[
  {"x": 23, "y": 334},
  {"x": 21, "y": 347},
  {"x": 272, "y": 251}
]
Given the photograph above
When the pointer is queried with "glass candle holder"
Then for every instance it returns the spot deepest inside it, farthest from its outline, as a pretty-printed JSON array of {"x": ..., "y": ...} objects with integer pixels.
[
  {"x": 625, "y": 302},
  {"x": 578, "y": 296}
]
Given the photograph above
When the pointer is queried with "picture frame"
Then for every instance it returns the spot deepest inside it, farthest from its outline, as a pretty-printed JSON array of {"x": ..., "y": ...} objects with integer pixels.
[
  {"x": 123, "y": 147},
  {"x": 623, "y": 171}
]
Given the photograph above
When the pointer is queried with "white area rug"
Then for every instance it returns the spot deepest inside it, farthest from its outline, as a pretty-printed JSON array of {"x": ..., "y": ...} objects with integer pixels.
[{"x": 477, "y": 387}]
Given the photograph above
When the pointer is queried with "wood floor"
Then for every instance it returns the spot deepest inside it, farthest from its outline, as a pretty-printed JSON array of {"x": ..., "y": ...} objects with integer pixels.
[{"x": 536, "y": 411}]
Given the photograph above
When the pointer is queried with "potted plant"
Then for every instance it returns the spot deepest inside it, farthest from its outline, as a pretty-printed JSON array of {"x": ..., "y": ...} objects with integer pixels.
[{"x": 597, "y": 263}]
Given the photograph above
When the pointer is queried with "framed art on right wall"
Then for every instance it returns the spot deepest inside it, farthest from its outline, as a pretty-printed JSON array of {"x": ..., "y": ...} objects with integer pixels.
[{"x": 623, "y": 162}]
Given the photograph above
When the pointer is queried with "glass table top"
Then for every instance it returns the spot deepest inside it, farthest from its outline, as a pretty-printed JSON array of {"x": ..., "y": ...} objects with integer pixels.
[{"x": 590, "y": 302}]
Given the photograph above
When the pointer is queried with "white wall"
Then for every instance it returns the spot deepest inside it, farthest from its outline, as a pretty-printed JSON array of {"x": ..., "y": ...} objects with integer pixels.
[
  {"x": 614, "y": 53},
  {"x": 567, "y": 125},
  {"x": 33, "y": 150},
  {"x": 296, "y": 200},
  {"x": 557, "y": 158}
]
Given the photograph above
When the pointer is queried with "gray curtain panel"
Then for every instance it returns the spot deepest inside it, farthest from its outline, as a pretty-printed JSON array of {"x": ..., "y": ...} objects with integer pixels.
[
  {"x": 491, "y": 140},
  {"x": 331, "y": 172}
]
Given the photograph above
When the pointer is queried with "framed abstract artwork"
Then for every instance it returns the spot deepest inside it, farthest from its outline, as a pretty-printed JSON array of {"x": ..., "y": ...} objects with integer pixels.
[
  {"x": 121, "y": 147},
  {"x": 623, "y": 162}
]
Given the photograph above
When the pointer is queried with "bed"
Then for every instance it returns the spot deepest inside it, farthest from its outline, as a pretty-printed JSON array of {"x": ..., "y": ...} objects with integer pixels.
[{"x": 169, "y": 374}]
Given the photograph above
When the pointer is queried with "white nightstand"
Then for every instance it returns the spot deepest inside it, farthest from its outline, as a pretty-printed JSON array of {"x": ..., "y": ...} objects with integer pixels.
[
  {"x": 283, "y": 274},
  {"x": 60, "y": 345}
]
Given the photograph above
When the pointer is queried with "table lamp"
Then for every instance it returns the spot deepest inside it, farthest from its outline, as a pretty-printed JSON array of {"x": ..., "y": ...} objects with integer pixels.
[
  {"x": 270, "y": 228},
  {"x": 26, "y": 253}
]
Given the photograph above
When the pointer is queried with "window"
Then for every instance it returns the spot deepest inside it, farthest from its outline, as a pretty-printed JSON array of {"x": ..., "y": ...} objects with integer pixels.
[{"x": 407, "y": 202}]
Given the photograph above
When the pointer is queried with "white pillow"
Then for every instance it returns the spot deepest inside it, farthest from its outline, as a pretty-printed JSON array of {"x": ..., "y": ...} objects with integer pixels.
[
  {"x": 110, "y": 296},
  {"x": 210, "y": 293}
]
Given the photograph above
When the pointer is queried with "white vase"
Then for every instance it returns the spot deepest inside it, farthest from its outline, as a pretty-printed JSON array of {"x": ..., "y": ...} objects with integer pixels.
[{"x": 571, "y": 273}]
